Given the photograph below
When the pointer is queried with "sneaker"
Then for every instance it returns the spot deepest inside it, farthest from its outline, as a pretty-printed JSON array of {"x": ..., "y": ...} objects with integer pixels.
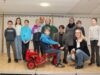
[
  {"x": 79, "y": 67},
  {"x": 60, "y": 65},
  {"x": 16, "y": 60},
  {"x": 9, "y": 60}
]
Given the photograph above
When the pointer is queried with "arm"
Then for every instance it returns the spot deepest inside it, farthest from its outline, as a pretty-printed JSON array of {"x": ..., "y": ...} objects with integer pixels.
[
  {"x": 22, "y": 35},
  {"x": 14, "y": 33},
  {"x": 48, "y": 41},
  {"x": 89, "y": 37},
  {"x": 5, "y": 33},
  {"x": 83, "y": 31},
  {"x": 99, "y": 37}
]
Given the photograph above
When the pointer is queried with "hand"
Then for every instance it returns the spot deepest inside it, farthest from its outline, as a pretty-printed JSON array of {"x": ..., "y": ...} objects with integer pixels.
[
  {"x": 61, "y": 48},
  {"x": 59, "y": 45},
  {"x": 25, "y": 42}
]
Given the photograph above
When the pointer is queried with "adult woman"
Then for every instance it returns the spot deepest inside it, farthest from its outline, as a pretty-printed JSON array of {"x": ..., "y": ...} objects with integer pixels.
[
  {"x": 69, "y": 34},
  {"x": 80, "y": 49}
]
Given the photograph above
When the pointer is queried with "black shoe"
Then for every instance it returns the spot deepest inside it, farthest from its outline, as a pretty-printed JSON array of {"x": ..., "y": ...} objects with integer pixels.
[
  {"x": 16, "y": 60},
  {"x": 9, "y": 60},
  {"x": 60, "y": 65},
  {"x": 65, "y": 62},
  {"x": 98, "y": 65},
  {"x": 90, "y": 63},
  {"x": 78, "y": 67}
]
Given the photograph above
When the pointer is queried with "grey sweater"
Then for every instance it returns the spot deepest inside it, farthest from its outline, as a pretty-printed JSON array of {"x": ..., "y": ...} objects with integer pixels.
[
  {"x": 69, "y": 37},
  {"x": 10, "y": 34}
]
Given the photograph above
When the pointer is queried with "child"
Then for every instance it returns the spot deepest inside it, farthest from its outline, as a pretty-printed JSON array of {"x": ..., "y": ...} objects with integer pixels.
[
  {"x": 59, "y": 38},
  {"x": 79, "y": 26},
  {"x": 25, "y": 37},
  {"x": 94, "y": 41},
  {"x": 47, "y": 42},
  {"x": 36, "y": 31},
  {"x": 18, "y": 42},
  {"x": 10, "y": 35}
]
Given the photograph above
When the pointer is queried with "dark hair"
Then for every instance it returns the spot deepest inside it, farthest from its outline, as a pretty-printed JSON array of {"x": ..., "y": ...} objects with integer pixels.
[
  {"x": 16, "y": 21},
  {"x": 10, "y": 21},
  {"x": 62, "y": 26},
  {"x": 26, "y": 21},
  {"x": 79, "y": 21},
  {"x": 95, "y": 19}
]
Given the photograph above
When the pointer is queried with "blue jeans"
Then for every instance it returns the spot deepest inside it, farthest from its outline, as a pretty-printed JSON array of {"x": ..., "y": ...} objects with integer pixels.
[
  {"x": 18, "y": 45},
  {"x": 81, "y": 57},
  {"x": 56, "y": 52}
]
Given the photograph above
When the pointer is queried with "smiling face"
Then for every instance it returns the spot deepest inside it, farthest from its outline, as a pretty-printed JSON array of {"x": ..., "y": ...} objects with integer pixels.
[
  {"x": 37, "y": 22},
  {"x": 78, "y": 33},
  {"x": 47, "y": 21},
  {"x": 47, "y": 31}
]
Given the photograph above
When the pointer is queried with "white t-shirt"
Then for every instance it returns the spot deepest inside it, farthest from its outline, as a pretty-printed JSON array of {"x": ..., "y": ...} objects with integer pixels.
[{"x": 18, "y": 29}]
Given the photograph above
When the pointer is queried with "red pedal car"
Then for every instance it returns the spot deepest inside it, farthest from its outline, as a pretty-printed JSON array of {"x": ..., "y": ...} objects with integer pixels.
[{"x": 33, "y": 59}]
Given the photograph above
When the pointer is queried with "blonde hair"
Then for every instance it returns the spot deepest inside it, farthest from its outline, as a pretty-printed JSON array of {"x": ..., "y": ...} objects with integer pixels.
[{"x": 82, "y": 36}]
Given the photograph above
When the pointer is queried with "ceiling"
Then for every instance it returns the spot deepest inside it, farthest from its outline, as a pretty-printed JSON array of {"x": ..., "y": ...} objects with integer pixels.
[{"x": 56, "y": 7}]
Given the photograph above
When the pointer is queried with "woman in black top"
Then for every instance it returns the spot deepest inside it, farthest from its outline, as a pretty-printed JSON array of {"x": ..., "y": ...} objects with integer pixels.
[{"x": 80, "y": 49}]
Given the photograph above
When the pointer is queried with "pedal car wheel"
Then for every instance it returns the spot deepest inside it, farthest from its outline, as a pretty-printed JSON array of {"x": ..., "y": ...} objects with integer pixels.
[{"x": 31, "y": 65}]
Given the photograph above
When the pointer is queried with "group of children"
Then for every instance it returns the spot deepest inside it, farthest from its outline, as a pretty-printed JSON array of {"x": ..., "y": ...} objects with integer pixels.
[{"x": 70, "y": 40}]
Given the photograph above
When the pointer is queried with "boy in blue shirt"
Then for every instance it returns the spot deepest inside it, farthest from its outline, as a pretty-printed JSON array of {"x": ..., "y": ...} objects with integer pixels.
[
  {"x": 25, "y": 37},
  {"x": 46, "y": 45}
]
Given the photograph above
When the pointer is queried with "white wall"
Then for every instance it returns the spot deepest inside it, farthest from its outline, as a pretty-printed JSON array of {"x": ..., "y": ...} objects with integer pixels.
[{"x": 56, "y": 21}]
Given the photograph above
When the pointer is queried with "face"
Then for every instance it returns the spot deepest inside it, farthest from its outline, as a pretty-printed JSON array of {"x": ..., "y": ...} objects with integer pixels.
[
  {"x": 38, "y": 22},
  {"x": 10, "y": 24},
  {"x": 94, "y": 22},
  {"x": 61, "y": 30},
  {"x": 47, "y": 32},
  {"x": 71, "y": 21},
  {"x": 79, "y": 24},
  {"x": 47, "y": 21},
  {"x": 26, "y": 23},
  {"x": 42, "y": 18},
  {"x": 18, "y": 21},
  {"x": 77, "y": 33}
]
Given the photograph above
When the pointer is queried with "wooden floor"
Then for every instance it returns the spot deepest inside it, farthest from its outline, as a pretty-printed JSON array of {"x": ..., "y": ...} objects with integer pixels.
[{"x": 21, "y": 68}]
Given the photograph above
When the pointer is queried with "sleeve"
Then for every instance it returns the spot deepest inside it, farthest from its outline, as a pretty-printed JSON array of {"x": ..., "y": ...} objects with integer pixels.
[
  {"x": 48, "y": 41},
  {"x": 64, "y": 41},
  {"x": 55, "y": 36},
  {"x": 99, "y": 37},
  {"x": 89, "y": 37},
  {"x": 83, "y": 31},
  {"x": 14, "y": 33},
  {"x": 33, "y": 30},
  {"x": 22, "y": 34},
  {"x": 5, "y": 33}
]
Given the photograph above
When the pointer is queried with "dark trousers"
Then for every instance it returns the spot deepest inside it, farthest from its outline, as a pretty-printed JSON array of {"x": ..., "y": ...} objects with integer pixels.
[
  {"x": 65, "y": 54},
  {"x": 8, "y": 44},
  {"x": 25, "y": 47},
  {"x": 37, "y": 47},
  {"x": 70, "y": 48},
  {"x": 95, "y": 51}
]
